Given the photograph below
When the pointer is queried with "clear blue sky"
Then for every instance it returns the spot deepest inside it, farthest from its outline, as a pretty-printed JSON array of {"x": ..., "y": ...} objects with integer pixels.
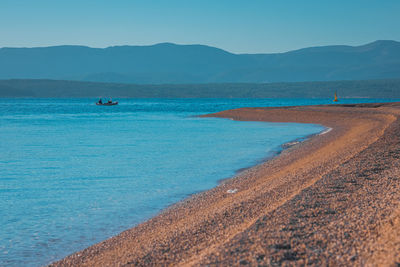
[{"x": 248, "y": 26}]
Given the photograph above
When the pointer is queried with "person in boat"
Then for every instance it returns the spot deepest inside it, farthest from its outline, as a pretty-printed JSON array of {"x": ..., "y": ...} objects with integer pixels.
[
  {"x": 109, "y": 101},
  {"x": 100, "y": 101}
]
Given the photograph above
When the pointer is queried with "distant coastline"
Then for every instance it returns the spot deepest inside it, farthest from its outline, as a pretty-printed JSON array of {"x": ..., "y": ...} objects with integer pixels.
[{"x": 40, "y": 88}]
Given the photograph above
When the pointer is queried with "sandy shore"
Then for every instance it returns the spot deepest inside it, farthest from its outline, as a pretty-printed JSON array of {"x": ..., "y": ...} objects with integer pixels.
[{"x": 331, "y": 200}]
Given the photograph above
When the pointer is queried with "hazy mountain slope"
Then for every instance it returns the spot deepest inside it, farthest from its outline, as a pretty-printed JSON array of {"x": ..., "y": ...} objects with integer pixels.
[{"x": 171, "y": 63}]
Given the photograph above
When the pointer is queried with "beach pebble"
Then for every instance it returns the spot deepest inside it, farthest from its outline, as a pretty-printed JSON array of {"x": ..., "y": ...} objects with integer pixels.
[{"x": 232, "y": 191}]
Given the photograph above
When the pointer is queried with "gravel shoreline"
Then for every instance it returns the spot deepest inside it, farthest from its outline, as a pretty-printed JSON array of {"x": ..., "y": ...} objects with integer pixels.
[{"x": 333, "y": 199}]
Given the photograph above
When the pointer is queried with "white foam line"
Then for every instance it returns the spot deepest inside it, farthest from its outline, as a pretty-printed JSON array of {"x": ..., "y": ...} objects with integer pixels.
[{"x": 326, "y": 131}]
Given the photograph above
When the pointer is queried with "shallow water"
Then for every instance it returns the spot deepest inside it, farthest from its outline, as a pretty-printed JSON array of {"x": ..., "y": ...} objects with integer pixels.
[{"x": 73, "y": 173}]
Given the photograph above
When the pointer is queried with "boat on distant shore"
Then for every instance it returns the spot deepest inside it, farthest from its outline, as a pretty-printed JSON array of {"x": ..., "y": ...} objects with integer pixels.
[{"x": 108, "y": 103}]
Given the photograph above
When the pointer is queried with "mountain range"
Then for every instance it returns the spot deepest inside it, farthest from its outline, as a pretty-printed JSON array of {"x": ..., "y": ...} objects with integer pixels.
[{"x": 171, "y": 63}]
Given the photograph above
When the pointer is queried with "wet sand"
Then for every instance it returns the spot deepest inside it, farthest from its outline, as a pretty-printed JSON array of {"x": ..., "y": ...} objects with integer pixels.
[{"x": 333, "y": 199}]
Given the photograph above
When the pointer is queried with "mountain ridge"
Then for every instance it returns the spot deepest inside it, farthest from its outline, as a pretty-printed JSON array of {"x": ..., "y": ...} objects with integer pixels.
[{"x": 173, "y": 63}]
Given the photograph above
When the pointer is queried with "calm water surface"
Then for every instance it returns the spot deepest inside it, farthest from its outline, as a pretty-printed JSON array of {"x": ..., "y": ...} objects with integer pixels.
[{"x": 73, "y": 173}]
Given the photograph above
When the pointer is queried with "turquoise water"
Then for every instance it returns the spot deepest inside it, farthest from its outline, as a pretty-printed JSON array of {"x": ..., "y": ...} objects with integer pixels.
[{"x": 73, "y": 173}]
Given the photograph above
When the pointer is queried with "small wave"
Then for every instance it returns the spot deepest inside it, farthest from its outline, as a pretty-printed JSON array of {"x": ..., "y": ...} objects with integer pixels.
[{"x": 325, "y": 131}]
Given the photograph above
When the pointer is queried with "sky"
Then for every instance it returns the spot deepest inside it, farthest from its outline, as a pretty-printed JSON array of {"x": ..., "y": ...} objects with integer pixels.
[{"x": 238, "y": 26}]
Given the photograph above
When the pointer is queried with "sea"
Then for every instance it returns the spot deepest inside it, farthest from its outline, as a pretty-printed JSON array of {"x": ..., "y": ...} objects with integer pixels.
[{"x": 73, "y": 174}]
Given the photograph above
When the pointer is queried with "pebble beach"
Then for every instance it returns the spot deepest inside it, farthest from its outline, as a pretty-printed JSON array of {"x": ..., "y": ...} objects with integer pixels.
[{"x": 332, "y": 199}]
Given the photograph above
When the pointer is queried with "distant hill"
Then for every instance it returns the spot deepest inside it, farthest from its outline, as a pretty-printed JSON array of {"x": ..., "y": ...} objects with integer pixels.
[
  {"x": 171, "y": 63},
  {"x": 65, "y": 89}
]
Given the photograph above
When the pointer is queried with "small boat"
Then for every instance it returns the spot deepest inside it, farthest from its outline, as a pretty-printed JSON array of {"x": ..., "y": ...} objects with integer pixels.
[
  {"x": 336, "y": 99},
  {"x": 107, "y": 103}
]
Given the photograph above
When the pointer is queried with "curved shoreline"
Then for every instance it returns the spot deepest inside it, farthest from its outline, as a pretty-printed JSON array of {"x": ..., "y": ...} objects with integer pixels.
[
  {"x": 273, "y": 154},
  {"x": 216, "y": 227}
]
